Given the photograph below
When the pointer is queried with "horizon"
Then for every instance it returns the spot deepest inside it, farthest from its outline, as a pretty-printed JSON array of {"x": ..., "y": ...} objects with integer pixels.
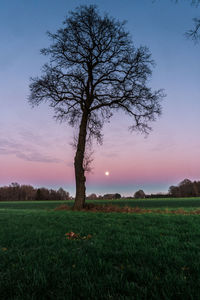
[
  {"x": 127, "y": 195},
  {"x": 36, "y": 149}
]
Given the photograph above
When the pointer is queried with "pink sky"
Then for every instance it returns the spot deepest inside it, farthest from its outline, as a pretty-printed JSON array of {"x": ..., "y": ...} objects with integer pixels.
[{"x": 36, "y": 150}]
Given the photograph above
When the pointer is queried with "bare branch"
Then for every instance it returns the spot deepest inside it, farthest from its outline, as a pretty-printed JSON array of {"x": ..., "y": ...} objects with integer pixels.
[{"x": 194, "y": 33}]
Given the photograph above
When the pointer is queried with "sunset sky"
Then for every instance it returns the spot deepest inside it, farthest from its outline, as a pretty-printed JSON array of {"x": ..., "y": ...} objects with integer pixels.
[{"x": 36, "y": 150}]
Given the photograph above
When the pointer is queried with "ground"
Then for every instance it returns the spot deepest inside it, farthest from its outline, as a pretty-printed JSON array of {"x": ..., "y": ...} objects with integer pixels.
[{"x": 113, "y": 256}]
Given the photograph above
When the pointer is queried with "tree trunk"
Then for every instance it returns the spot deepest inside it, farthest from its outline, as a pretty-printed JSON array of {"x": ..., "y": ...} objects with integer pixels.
[{"x": 78, "y": 164}]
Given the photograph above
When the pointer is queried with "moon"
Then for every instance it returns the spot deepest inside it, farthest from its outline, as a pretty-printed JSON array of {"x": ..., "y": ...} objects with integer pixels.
[{"x": 107, "y": 173}]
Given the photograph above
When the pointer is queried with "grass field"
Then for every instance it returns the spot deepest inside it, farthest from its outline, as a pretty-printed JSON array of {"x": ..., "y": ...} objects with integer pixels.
[
  {"x": 170, "y": 203},
  {"x": 128, "y": 256}
]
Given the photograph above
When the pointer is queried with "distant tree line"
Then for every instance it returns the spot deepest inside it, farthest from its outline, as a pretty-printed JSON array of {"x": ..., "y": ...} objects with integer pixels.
[
  {"x": 93, "y": 196},
  {"x": 17, "y": 192},
  {"x": 185, "y": 188}
]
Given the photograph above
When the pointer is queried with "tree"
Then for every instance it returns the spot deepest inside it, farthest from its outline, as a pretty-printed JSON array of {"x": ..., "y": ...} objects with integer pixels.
[
  {"x": 63, "y": 195},
  {"x": 186, "y": 188},
  {"x": 27, "y": 192},
  {"x": 139, "y": 194},
  {"x": 94, "y": 70},
  {"x": 117, "y": 196},
  {"x": 38, "y": 195},
  {"x": 174, "y": 191},
  {"x": 92, "y": 196}
]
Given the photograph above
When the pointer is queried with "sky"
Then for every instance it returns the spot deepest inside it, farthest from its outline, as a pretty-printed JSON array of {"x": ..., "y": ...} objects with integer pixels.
[{"x": 36, "y": 150}]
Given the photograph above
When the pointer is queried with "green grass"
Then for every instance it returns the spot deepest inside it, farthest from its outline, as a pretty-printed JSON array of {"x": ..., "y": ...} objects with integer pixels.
[
  {"x": 130, "y": 256},
  {"x": 47, "y": 205},
  {"x": 170, "y": 203}
]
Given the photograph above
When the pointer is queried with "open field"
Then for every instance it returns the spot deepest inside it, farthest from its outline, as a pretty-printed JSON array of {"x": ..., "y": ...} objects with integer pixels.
[
  {"x": 166, "y": 203},
  {"x": 128, "y": 256}
]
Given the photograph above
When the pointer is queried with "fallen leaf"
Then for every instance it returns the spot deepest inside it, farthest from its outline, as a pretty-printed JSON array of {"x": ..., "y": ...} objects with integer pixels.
[{"x": 75, "y": 236}]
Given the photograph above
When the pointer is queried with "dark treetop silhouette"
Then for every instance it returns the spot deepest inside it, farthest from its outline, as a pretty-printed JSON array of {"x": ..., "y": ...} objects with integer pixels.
[{"x": 94, "y": 70}]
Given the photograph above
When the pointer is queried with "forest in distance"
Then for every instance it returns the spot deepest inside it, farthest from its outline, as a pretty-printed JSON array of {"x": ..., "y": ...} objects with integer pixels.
[{"x": 17, "y": 192}]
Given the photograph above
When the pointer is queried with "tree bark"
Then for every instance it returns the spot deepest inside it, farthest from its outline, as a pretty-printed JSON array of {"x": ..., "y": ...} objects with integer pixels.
[{"x": 78, "y": 164}]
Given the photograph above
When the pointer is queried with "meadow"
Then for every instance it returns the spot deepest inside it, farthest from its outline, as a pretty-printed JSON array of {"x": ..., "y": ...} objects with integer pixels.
[{"x": 114, "y": 255}]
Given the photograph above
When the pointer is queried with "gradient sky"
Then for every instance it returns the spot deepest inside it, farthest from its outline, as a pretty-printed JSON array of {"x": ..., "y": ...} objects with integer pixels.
[{"x": 36, "y": 150}]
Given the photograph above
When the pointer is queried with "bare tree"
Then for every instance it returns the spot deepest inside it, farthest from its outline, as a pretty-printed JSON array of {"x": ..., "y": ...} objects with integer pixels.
[{"x": 94, "y": 70}]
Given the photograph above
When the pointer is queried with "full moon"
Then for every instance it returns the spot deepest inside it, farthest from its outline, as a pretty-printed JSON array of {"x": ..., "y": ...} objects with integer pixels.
[{"x": 107, "y": 173}]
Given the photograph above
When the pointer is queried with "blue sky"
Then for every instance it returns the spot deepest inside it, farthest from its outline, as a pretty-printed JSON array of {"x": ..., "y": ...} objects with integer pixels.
[{"x": 35, "y": 149}]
